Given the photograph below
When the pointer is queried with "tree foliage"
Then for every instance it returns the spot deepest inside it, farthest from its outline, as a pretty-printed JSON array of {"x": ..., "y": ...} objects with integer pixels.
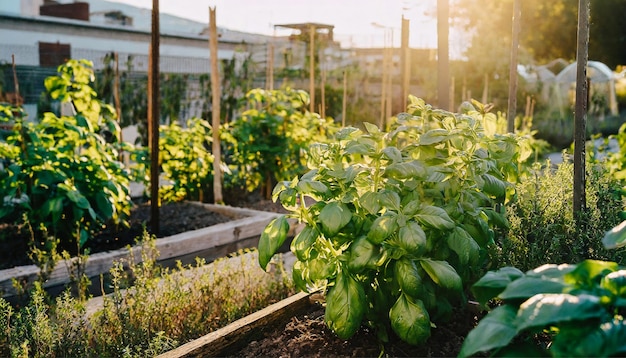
[{"x": 549, "y": 28}]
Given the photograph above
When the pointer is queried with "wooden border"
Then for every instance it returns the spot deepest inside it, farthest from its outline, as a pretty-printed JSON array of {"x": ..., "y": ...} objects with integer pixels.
[
  {"x": 236, "y": 234},
  {"x": 220, "y": 342}
]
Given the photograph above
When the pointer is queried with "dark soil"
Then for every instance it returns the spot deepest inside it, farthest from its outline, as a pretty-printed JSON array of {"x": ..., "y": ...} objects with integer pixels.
[
  {"x": 174, "y": 218},
  {"x": 306, "y": 335}
]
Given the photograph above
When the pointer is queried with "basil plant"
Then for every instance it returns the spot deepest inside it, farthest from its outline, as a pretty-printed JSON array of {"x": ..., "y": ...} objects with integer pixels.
[{"x": 395, "y": 223}]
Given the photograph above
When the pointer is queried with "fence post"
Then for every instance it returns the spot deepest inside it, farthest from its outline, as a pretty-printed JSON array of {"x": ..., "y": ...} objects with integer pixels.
[{"x": 580, "y": 112}]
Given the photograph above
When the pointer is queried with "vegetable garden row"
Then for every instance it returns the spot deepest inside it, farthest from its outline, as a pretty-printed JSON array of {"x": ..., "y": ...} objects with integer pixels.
[{"x": 400, "y": 224}]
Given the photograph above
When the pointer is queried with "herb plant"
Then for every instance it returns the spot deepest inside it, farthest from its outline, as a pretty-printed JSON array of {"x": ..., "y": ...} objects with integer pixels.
[
  {"x": 578, "y": 307},
  {"x": 395, "y": 223}
]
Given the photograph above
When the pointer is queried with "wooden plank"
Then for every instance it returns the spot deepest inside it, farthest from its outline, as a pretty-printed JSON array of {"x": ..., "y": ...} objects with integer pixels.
[
  {"x": 170, "y": 247},
  {"x": 218, "y": 343}
]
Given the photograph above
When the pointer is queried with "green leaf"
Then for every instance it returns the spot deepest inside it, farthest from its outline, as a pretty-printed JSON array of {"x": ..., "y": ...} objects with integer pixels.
[
  {"x": 405, "y": 170},
  {"x": 605, "y": 340},
  {"x": 464, "y": 246},
  {"x": 302, "y": 243},
  {"x": 345, "y": 306},
  {"x": 493, "y": 282},
  {"x": 334, "y": 216},
  {"x": 435, "y": 217},
  {"x": 382, "y": 227},
  {"x": 408, "y": 277},
  {"x": 362, "y": 253},
  {"x": 494, "y": 186},
  {"x": 272, "y": 238},
  {"x": 442, "y": 274},
  {"x": 433, "y": 136},
  {"x": 525, "y": 287},
  {"x": 615, "y": 282},
  {"x": 412, "y": 238},
  {"x": 370, "y": 202},
  {"x": 410, "y": 320},
  {"x": 496, "y": 218},
  {"x": 392, "y": 153},
  {"x": 616, "y": 237},
  {"x": 585, "y": 272},
  {"x": 551, "y": 309},
  {"x": 389, "y": 199},
  {"x": 496, "y": 330},
  {"x": 78, "y": 198},
  {"x": 312, "y": 187}
]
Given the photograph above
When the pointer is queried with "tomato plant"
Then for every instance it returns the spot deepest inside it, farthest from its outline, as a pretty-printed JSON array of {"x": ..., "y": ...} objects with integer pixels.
[
  {"x": 400, "y": 220},
  {"x": 61, "y": 173},
  {"x": 270, "y": 138}
]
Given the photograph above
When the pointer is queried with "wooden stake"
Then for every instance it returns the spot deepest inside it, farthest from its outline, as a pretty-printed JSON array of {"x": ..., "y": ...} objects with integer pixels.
[
  {"x": 323, "y": 94},
  {"x": 512, "y": 105},
  {"x": 443, "y": 58},
  {"x": 312, "y": 67},
  {"x": 270, "y": 68},
  {"x": 116, "y": 97},
  {"x": 216, "y": 94},
  {"x": 344, "y": 99},
  {"x": 153, "y": 119},
  {"x": 405, "y": 63},
  {"x": 580, "y": 112},
  {"x": 485, "y": 89},
  {"x": 452, "y": 89}
]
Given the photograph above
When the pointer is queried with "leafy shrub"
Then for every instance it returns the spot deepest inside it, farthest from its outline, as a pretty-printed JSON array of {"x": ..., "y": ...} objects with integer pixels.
[
  {"x": 401, "y": 220},
  {"x": 269, "y": 140},
  {"x": 578, "y": 307},
  {"x": 62, "y": 173},
  {"x": 185, "y": 161},
  {"x": 543, "y": 228}
]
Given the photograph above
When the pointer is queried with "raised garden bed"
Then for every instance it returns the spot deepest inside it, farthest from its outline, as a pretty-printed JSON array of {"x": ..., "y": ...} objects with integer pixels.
[
  {"x": 242, "y": 231},
  {"x": 294, "y": 327}
]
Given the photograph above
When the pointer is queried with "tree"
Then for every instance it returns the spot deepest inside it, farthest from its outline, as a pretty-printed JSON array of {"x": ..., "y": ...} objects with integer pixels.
[{"x": 548, "y": 28}]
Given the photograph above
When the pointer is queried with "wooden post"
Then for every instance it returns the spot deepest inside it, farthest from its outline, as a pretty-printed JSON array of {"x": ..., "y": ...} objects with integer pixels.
[
  {"x": 443, "y": 60},
  {"x": 323, "y": 94},
  {"x": 389, "y": 79},
  {"x": 270, "y": 68},
  {"x": 485, "y": 89},
  {"x": 344, "y": 101},
  {"x": 452, "y": 89},
  {"x": 116, "y": 99},
  {"x": 512, "y": 105},
  {"x": 153, "y": 119},
  {"x": 383, "y": 88},
  {"x": 215, "y": 123},
  {"x": 580, "y": 112},
  {"x": 405, "y": 63},
  {"x": 312, "y": 67}
]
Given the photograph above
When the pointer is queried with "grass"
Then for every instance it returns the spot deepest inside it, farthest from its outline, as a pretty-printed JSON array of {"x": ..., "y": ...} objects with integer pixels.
[{"x": 150, "y": 310}]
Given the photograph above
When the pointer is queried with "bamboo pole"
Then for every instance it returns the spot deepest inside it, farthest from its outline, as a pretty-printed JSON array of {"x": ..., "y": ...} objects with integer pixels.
[
  {"x": 443, "y": 57},
  {"x": 405, "y": 63},
  {"x": 580, "y": 112},
  {"x": 323, "y": 94},
  {"x": 389, "y": 80},
  {"x": 153, "y": 119},
  {"x": 344, "y": 101},
  {"x": 485, "y": 89},
  {"x": 270, "y": 68},
  {"x": 312, "y": 67},
  {"x": 452, "y": 89},
  {"x": 383, "y": 88},
  {"x": 512, "y": 105},
  {"x": 216, "y": 94}
]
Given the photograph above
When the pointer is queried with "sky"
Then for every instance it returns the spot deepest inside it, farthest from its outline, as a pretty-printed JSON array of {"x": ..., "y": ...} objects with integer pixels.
[{"x": 358, "y": 23}]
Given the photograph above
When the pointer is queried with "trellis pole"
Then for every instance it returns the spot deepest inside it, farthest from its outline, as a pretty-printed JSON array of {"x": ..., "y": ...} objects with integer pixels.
[
  {"x": 215, "y": 109},
  {"x": 153, "y": 119},
  {"x": 512, "y": 105},
  {"x": 443, "y": 60},
  {"x": 580, "y": 112}
]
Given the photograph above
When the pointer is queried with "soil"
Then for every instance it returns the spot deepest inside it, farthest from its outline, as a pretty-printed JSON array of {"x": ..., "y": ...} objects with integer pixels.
[
  {"x": 174, "y": 218},
  {"x": 306, "y": 335}
]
